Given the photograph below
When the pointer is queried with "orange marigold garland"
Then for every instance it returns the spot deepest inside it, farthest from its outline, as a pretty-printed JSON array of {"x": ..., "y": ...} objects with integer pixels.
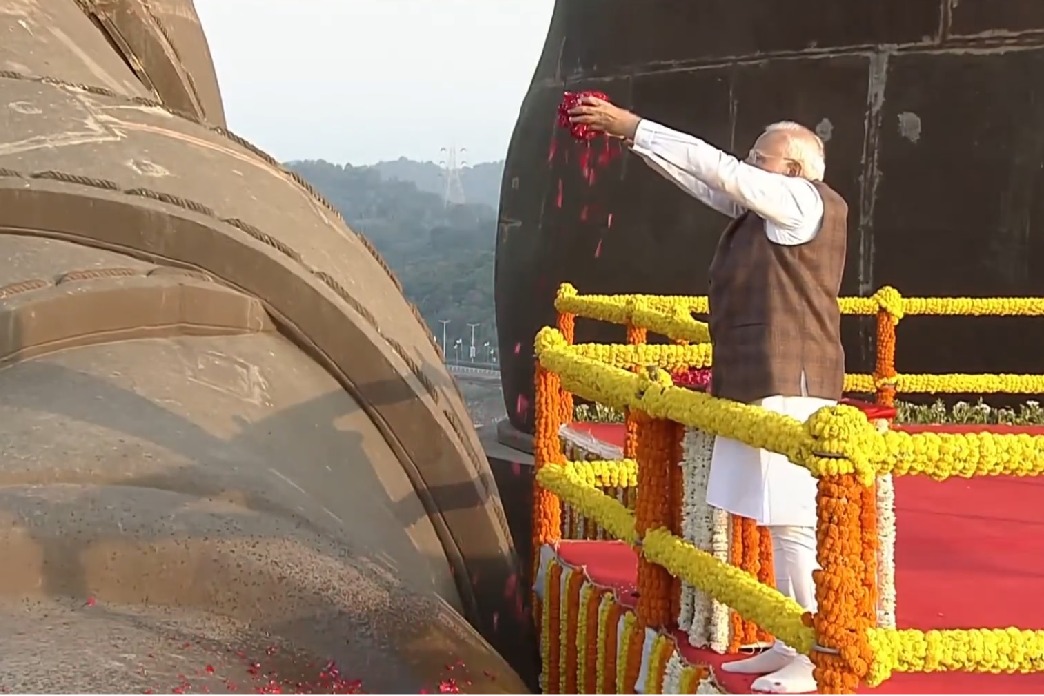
[
  {"x": 610, "y": 636},
  {"x": 566, "y": 325},
  {"x": 766, "y": 570},
  {"x": 635, "y": 335},
  {"x": 547, "y": 508},
  {"x": 571, "y": 606},
  {"x": 744, "y": 553},
  {"x": 841, "y": 620},
  {"x": 884, "y": 367},
  {"x": 751, "y": 564},
  {"x": 870, "y": 543},
  {"x": 736, "y": 622},
  {"x": 656, "y": 447},
  {"x": 587, "y": 674},
  {"x": 633, "y": 665}
]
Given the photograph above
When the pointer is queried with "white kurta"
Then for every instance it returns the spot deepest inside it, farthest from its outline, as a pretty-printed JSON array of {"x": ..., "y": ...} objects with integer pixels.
[{"x": 762, "y": 485}]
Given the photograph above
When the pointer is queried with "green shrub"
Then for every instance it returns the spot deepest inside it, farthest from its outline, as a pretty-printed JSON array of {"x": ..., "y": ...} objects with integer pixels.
[{"x": 961, "y": 412}]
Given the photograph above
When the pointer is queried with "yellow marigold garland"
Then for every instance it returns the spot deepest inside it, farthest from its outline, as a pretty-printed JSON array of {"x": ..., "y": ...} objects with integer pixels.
[
  {"x": 602, "y": 473},
  {"x": 610, "y": 513},
  {"x": 673, "y": 321},
  {"x": 624, "y": 644},
  {"x": 654, "y": 393},
  {"x": 692, "y": 676},
  {"x": 731, "y": 586},
  {"x": 566, "y": 326},
  {"x": 670, "y": 316},
  {"x": 662, "y": 648},
  {"x": 627, "y": 356},
  {"x": 633, "y": 662},
  {"x": 995, "y": 651},
  {"x": 601, "y": 640}
]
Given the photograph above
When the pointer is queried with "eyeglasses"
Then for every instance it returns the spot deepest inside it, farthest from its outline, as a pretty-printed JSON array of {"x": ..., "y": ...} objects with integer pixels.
[{"x": 756, "y": 157}]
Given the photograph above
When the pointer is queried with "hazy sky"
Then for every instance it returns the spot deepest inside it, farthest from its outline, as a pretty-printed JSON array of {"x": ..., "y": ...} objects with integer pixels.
[{"x": 366, "y": 80}]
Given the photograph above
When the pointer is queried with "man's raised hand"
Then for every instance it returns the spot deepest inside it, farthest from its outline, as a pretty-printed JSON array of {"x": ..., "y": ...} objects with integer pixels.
[{"x": 598, "y": 114}]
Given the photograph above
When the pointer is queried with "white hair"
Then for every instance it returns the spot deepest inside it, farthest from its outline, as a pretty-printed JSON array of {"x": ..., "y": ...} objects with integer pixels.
[{"x": 804, "y": 147}]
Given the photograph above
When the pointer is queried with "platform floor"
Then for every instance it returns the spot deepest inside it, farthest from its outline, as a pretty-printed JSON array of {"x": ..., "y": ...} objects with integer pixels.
[{"x": 969, "y": 554}]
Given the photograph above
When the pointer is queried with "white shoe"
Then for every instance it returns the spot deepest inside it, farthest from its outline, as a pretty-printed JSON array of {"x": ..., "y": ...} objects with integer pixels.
[
  {"x": 795, "y": 678},
  {"x": 775, "y": 658}
]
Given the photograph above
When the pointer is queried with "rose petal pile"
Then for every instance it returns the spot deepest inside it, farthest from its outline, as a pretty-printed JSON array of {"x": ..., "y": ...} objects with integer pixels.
[{"x": 571, "y": 100}]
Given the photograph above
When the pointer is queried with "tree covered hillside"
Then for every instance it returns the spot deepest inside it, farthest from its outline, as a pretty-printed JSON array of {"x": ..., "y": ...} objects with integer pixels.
[{"x": 443, "y": 256}]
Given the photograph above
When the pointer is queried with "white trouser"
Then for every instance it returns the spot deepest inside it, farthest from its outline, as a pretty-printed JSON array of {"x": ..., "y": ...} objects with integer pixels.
[{"x": 794, "y": 558}]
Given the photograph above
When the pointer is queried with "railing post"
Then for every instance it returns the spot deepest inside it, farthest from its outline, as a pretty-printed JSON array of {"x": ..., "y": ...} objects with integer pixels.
[
  {"x": 884, "y": 364},
  {"x": 878, "y": 500},
  {"x": 845, "y": 597},
  {"x": 656, "y": 448},
  {"x": 567, "y": 327},
  {"x": 635, "y": 336},
  {"x": 547, "y": 449}
]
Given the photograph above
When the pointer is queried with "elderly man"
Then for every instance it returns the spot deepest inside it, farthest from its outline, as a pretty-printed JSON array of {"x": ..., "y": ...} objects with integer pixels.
[{"x": 775, "y": 322}]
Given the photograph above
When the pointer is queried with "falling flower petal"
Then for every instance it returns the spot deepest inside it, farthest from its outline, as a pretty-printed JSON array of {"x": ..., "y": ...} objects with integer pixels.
[
  {"x": 598, "y": 249},
  {"x": 583, "y": 214},
  {"x": 558, "y": 199},
  {"x": 91, "y": 601}
]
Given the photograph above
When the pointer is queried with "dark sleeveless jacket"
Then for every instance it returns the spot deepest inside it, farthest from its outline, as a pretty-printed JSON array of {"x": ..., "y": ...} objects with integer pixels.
[{"x": 773, "y": 309}]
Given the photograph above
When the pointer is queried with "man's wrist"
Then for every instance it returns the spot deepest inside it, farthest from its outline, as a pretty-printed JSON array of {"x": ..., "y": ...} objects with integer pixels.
[{"x": 631, "y": 129}]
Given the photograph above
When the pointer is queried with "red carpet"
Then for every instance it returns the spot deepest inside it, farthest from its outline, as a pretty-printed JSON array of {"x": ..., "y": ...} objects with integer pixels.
[{"x": 969, "y": 554}]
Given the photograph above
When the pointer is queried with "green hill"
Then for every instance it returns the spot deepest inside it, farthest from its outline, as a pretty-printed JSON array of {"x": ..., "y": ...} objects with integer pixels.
[
  {"x": 481, "y": 182},
  {"x": 443, "y": 255}
]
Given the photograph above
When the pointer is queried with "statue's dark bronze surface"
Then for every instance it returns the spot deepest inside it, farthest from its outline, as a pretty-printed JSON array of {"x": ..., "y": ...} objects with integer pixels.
[
  {"x": 930, "y": 113},
  {"x": 225, "y": 429}
]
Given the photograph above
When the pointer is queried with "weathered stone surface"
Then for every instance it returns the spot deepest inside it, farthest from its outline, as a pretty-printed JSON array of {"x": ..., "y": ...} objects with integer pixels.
[
  {"x": 929, "y": 113},
  {"x": 216, "y": 401}
]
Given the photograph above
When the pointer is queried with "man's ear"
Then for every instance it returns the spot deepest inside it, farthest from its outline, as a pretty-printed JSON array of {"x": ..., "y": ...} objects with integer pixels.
[{"x": 793, "y": 168}]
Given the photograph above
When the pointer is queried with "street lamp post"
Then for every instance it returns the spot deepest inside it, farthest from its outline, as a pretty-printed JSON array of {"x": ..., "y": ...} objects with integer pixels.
[
  {"x": 445, "y": 348},
  {"x": 471, "y": 352}
]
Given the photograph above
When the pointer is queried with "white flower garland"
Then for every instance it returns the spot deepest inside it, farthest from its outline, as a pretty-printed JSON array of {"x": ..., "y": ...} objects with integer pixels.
[
  {"x": 706, "y": 621},
  {"x": 672, "y": 674},
  {"x": 709, "y": 686},
  {"x": 643, "y": 673},
  {"x": 885, "y": 552}
]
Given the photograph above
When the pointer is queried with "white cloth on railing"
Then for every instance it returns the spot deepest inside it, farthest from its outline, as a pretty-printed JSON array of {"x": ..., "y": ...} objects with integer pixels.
[{"x": 761, "y": 485}]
